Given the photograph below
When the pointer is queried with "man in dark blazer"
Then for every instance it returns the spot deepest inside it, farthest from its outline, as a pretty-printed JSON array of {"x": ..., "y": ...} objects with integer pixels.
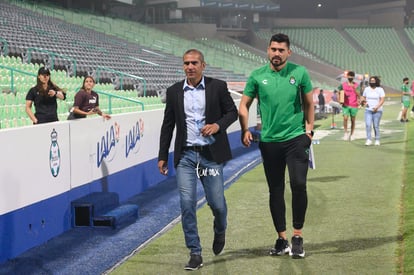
[{"x": 201, "y": 109}]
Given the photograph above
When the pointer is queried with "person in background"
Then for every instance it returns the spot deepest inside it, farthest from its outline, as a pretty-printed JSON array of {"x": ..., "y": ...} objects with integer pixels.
[
  {"x": 405, "y": 99},
  {"x": 351, "y": 92},
  {"x": 321, "y": 99},
  {"x": 87, "y": 101},
  {"x": 373, "y": 98},
  {"x": 335, "y": 99},
  {"x": 412, "y": 96},
  {"x": 285, "y": 94},
  {"x": 201, "y": 109},
  {"x": 44, "y": 97}
]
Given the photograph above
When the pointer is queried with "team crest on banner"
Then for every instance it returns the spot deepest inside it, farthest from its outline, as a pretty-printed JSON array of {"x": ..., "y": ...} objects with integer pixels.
[{"x": 54, "y": 154}]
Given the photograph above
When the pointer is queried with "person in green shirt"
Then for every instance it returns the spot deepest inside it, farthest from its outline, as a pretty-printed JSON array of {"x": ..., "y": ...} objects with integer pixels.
[
  {"x": 405, "y": 99},
  {"x": 284, "y": 92}
]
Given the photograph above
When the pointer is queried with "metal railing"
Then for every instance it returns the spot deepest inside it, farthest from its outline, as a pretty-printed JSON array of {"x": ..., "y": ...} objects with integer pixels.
[
  {"x": 121, "y": 76},
  {"x": 12, "y": 71},
  {"x": 53, "y": 55},
  {"x": 111, "y": 96}
]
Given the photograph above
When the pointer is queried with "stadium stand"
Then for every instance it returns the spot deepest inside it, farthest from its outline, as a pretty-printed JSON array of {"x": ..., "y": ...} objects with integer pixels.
[
  {"x": 135, "y": 62},
  {"x": 141, "y": 61},
  {"x": 367, "y": 50},
  {"x": 113, "y": 43},
  {"x": 298, "y": 46},
  {"x": 124, "y": 69}
]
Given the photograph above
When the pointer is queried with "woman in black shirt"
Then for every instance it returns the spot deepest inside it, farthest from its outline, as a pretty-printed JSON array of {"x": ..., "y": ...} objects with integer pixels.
[{"x": 44, "y": 96}]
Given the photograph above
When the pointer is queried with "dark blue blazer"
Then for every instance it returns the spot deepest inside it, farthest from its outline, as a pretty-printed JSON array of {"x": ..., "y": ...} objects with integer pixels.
[{"x": 220, "y": 109}]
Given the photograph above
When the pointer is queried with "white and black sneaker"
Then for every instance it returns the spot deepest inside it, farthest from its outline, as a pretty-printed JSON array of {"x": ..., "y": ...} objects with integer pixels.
[
  {"x": 196, "y": 262},
  {"x": 281, "y": 248},
  {"x": 297, "y": 251}
]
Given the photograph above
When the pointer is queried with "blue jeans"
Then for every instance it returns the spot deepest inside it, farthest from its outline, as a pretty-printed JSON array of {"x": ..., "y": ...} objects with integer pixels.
[
  {"x": 372, "y": 118},
  {"x": 193, "y": 166}
]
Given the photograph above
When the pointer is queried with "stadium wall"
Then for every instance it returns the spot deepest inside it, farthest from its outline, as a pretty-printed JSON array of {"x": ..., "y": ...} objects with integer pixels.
[
  {"x": 189, "y": 30},
  {"x": 317, "y": 22},
  {"x": 46, "y": 167},
  {"x": 381, "y": 14}
]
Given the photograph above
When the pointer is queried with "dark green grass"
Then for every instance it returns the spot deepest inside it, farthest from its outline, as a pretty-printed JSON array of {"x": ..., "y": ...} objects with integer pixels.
[
  {"x": 353, "y": 222},
  {"x": 407, "y": 244}
]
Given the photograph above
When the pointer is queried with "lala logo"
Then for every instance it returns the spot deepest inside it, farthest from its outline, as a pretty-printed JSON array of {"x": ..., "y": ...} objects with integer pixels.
[
  {"x": 105, "y": 149},
  {"x": 54, "y": 154},
  {"x": 133, "y": 138}
]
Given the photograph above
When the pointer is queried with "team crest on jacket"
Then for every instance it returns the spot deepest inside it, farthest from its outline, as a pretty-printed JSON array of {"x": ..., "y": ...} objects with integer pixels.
[{"x": 292, "y": 80}]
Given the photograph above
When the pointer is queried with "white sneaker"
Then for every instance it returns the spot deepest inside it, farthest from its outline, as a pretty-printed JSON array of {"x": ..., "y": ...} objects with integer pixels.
[
  {"x": 368, "y": 142},
  {"x": 377, "y": 143},
  {"x": 412, "y": 114},
  {"x": 346, "y": 137},
  {"x": 351, "y": 138}
]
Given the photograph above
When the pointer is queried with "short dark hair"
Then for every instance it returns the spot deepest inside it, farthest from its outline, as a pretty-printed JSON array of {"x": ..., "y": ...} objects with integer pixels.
[
  {"x": 405, "y": 79},
  {"x": 280, "y": 38},
  {"x": 195, "y": 51},
  {"x": 350, "y": 73}
]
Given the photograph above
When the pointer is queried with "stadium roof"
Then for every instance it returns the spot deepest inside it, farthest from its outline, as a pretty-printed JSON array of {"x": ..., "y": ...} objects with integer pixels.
[{"x": 320, "y": 8}]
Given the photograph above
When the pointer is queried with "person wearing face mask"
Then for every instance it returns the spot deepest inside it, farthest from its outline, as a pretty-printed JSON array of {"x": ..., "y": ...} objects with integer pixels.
[
  {"x": 373, "y": 99},
  {"x": 351, "y": 92},
  {"x": 405, "y": 90}
]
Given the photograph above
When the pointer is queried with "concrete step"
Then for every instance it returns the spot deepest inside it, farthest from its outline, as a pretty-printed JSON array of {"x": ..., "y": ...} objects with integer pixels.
[
  {"x": 94, "y": 204},
  {"x": 118, "y": 216}
]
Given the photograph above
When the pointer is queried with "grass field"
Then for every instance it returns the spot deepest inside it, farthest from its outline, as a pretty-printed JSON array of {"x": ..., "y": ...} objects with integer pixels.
[
  {"x": 407, "y": 218},
  {"x": 361, "y": 204}
]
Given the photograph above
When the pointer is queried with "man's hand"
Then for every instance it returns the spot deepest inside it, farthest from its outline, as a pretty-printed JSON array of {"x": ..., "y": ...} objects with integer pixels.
[
  {"x": 246, "y": 138},
  {"x": 163, "y": 167},
  {"x": 210, "y": 129}
]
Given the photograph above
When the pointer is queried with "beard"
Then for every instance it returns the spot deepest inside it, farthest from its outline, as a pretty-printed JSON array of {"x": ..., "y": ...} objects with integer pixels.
[{"x": 277, "y": 62}]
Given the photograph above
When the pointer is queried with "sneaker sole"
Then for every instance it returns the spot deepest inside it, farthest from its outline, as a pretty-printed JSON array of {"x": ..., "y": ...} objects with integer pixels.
[
  {"x": 193, "y": 268},
  {"x": 281, "y": 253},
  {"x": 297, "y": 256}
]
